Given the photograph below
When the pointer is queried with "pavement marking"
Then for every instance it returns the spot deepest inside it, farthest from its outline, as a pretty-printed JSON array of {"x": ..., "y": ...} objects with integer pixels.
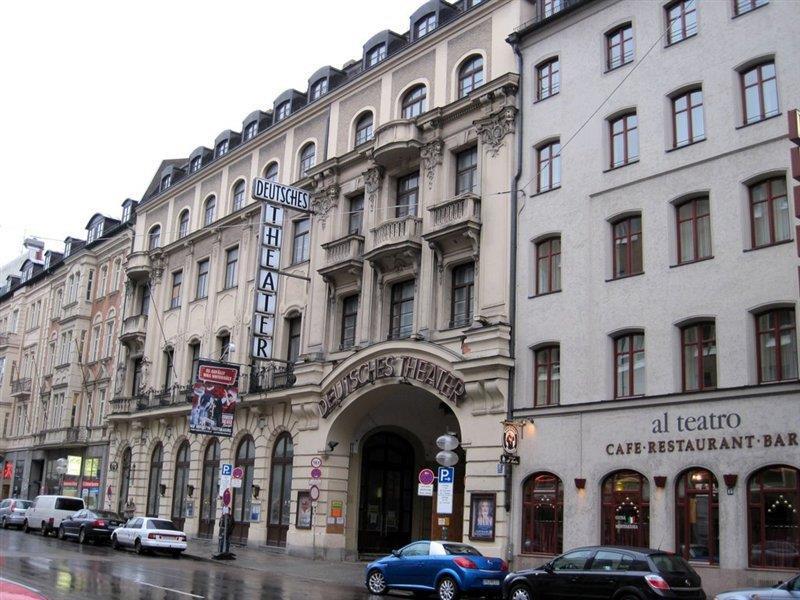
[{"x": 166, "y": 589}]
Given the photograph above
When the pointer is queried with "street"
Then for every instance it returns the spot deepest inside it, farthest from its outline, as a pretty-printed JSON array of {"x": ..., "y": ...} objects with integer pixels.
[{"x": 64, "y": 569}]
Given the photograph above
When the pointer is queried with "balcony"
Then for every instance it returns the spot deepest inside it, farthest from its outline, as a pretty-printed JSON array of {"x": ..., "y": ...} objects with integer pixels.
[
  {"x": 8, "y": 341},
  {"x": 273, "y": 376},
  {"x": 344, "y": 259},
  {"x": 138, "y": 267},
  {"x": 21, "y": 388},
  {"x": 455, "y": 223},
  {"x": 177, "y": 396},
  {"x": 62, "y": 436},
  {"x": 396, "y": 142},
  {"x": 134, "y": 330},
  {"x": 76, "y": 310},
  {"x": 396, "y": 243}
]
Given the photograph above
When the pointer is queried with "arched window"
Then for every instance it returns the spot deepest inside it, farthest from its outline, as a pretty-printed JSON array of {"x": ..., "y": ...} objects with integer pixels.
[
  {"x": 154, "y": 481},
  {"x": 415, "y": 102},
  {"x": 124, "y": 481},
  {"x": 308, "y": 157},
  {"x": 774, "y": 522},
  {"x": 626, "y": 510},
  {"x": 208, "y": 493},
  {"x": 183, "y": 223},
  {"x": 154, "y": 238},
  {"x": 238, "y": 195},
  {"x": 542, "y": 514},
  {"x": 364, "y": 131},
  {"x": 209, "y": 210},
  {"x": 280, "y": 490},
  {"x": 181, "y": 480},
  {"x": 242, "y": 497},
  {"x": 697, "y": 516},
  {"x": 470, "y": 75},
  {"x": 376, "y": 55},
  {"x": 271, "y": 172},
  {"x": 769, "y": 212}
]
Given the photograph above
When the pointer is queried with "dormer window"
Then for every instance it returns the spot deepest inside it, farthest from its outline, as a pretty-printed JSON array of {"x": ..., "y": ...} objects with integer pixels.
[
  {"x": 126, "y": 213},
  {"x": 319, "y": 89},
  {"x": 222, "y": 148},
  {"x": 251, "y": 130},
  {"x": 26, "y": 274},
  {"x": 166, "y": 181},
  {"x": 283, "y": 111},
  {"x": 67, "y": 249},
  {"x": 47, "y": 262},
  {"x": 196, "y": 163},
  {"x": 95, "y": 232},
  {"x": 376, "y": 55},
  {"x": 425, "y": 25}
]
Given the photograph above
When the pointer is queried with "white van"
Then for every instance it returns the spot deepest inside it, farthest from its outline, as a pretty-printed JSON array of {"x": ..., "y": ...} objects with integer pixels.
[{"x": 46, "y": 512}]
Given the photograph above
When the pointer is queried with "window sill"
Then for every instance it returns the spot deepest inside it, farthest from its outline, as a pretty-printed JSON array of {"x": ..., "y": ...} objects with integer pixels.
[
  {"x": 745, "y": 125},
  {"x": 541, "y": 294},
  {"x": 618, "y": 167},
  {"x": 196, "y": 300},
  {"x": 762, "y": 247},
  {"x": 682, "y": 146},
  {"x": 299, "y": 263},
  {"x": 542, "y": 192},
  {"x": 625, "y": 277},
  {"x": 618, "y": 67},
  {"x": 747, "y": 12},
  {"x": 683, "y": 39},
  {"x": 538, "y": 100},
  {"x": 776, "y": 381},
  {"x": 691, "y": 262},
  {"x": 632, "y": 397},
  {"x": 230, "y": 287},
  {"x": 173, "y": 308}
]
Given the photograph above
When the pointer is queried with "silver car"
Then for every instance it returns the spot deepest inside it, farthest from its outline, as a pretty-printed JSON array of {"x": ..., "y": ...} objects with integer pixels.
[
  {"x": 12, "y": 512},
  {"x": 787, "y": 590}
]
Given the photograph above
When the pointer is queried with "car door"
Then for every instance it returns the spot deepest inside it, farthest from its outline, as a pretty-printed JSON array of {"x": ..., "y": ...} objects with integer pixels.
[
  {"x": 565, "y": 576},
  {"x": 605, "y": 574},
  {"x": 69, "y": 525},
  {"x": 400, "y": 571}
]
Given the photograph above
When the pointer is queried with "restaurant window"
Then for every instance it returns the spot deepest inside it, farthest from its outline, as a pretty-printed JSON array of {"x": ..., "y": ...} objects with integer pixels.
[
  {"x": 271, "y": 172},
  {"x": 293, "y": 339},
  {"x": 470, "y": 75},
  {"x": 415, "y": 102},
  {"x": 355, "y": 216},
  {"x": 407, "y": 195},
  {"x": 688, "y": 126},
  {"x": 759, "y": 93},
  {"x": 629, "y": 365},
  {"x": 773, "y": 494},
  {"x": 548, "y": 166},
  {"x": 626, "y": 510},
  {"x": 741, "y": 7},
  {"x": 697, "y": 516},
  {"x": 776, "y": 345},
  {"x": 183, "y": 224},
  {"x": 462, "y": 295},
  {"x": 425, "y": 25},
  {"x": 402, "y": 310},
  {"x": 154, "y": 238},
  {"x": 154, "y": 481},
  {"x": 467, "y": 171},
  {"x": 364, "y": 132},
  {"x": 308, "y": 157},
  {"x": 177, "y": 282},
  {"x": 280, "y": 490},
  {"x": 627, "y": 246},
  {"x": 624, "y": 133},
  {"x": 699, "y": 352},
  {"x": 242, "y": 496},
  {"x": 301, "y": 243},
  {"x": 548, "y": 79},
  {"x": 231, "y": 266},
  {"x": 349, "y": 318},
  {"x": 238, "y": 195},
  {"x": 542, "y": 514},
  {"x": 681, "y": 20},
  {"x": 694, "y": 230},
  {"x": 182, "y": 464},
  {"x": 619, "y": 46},
  {"x": 209, "y": 210},
  {"x": 201, "y": 289},
  {"x": 547, "y": 370},
  {"x": 769, "y": 212},
  {"x": 548, "y": 266}
]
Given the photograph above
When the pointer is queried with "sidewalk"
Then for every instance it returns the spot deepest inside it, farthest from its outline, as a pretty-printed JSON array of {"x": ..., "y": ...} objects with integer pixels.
[{"x": 269, "y": 561}]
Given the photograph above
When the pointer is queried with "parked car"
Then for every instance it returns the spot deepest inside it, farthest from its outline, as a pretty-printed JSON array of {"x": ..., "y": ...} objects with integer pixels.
[
  {"x": 11, "y": 590},
  {"x": 12, "y": 512},
  {"x": 448, "y": 568},
  {"x": 146, "y": 534},
  {"x": 606, "y": 572},
  {"x": 789, "y": 589},
  {"x": 46, "y": 512},
  {"x": 90, "y": 525}
]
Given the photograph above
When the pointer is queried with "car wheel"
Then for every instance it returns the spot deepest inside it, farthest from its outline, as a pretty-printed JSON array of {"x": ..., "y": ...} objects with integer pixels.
[
  {"x": 62, "y": 534},
  {"x": 25, "y": 527},
  {"x": 176, "y": 553},
  {"x": 520, "y": 592},
  {"x": 114, "y": 543},
  {"x": 137, "y": 546},
  {"x": 448, "y": 589},
  {"x": 376, "y": 582},
  {"x": 82, "y": 536}
]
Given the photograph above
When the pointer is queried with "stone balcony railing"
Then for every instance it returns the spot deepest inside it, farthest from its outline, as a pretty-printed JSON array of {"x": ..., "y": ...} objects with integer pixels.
[
  {"x": 21, "y": 387},
  {"x": 455, "y": 223},
  {"x": 400, "y": 230},
  {"x": 343, "y": 257},
  {"x": 133, "y": 328},
  {"x": 8, "y": 340},
  {"x": 396, "y": 141},
  {"x": 76, "y": 310},
  {"x": 138, "y": 266}
]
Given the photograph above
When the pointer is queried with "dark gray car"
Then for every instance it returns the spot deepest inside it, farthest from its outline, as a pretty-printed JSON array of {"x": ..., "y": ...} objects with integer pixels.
[
  {"x": 784, "y": 591},
  {"x": 12, "y": 512}
]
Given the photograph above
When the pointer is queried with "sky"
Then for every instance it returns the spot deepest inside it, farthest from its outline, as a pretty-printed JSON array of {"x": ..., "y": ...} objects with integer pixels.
[{"x": 94, "y": 94}]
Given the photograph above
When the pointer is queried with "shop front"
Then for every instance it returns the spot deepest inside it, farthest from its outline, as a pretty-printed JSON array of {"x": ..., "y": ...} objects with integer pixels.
[{"x": 82, "y": 477}]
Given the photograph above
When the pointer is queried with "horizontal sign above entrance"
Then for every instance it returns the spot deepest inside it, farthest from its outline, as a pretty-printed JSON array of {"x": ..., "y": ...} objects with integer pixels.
[{"x": 285, "y": 195}]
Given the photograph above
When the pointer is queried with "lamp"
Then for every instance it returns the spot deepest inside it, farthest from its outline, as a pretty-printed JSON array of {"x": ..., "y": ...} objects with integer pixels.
[
  {"x": 162, "y": 487},
  {"x": 189, "y": 490},
  {"x": 661, "y": 480},
  {"x": 256, "y": 490},
  {"x": 332, "y": 446},
  {"x": 580, "y": 483},
  {"x": 730, "y": 482}
]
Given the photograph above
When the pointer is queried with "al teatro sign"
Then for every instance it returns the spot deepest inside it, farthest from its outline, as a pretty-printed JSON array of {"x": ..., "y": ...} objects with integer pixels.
[{"x": 443, "y": 382}]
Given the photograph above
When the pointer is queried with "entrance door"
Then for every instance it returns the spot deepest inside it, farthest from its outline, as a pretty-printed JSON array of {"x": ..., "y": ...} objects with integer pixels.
[
  {"x": 280, "y": 491},
  {"x": 385, "y": 511},
  {"x": 209, "y": 491}
]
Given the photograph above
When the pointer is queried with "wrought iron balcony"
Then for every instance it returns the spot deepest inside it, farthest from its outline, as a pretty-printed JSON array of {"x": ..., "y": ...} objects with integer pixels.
[
  {"x": 272, "y": 376},
  {"x": 344, "y": 258}
]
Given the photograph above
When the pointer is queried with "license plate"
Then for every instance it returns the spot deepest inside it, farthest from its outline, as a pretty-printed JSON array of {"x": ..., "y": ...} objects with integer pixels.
[{"x": 491, "y": 582}]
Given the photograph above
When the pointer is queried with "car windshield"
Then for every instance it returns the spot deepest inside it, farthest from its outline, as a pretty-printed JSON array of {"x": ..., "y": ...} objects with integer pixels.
[
  {"x": 461, "y": 549},
  {"x": 161, "y": 524},
  {"x": 669, "y": 563},
  {"x": 22, "y": 503}
]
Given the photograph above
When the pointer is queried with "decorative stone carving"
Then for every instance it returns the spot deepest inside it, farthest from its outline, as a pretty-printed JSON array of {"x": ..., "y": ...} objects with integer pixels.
[
  {"x": 325, "y": 201},
  {"x": 494, "y": 128},
  {"x": 372, "y": 183},
  {"x": 431, "y": 155}
]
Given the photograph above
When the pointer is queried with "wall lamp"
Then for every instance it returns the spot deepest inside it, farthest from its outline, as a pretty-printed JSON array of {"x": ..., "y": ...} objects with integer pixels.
[
  {"x": 189, "y": 490},
  {"x": 163, "y": 489},
  {"x": 580, "y": 483},
  {"x": 256, "y": 490},
  {"x": 730, "y": 482},
  {"x": 661, "y": 480}
]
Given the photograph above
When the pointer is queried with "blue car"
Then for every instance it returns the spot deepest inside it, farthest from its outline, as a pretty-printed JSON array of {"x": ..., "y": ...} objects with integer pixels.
[{"x": 450, "y": 569}]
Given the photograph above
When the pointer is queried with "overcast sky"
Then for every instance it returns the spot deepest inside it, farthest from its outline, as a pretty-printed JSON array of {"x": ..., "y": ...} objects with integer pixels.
[{"x": 95, "y": 94}]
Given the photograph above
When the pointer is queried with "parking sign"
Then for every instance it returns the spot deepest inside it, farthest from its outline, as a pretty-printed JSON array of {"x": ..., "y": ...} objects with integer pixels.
[{"x": 446, "y": 474}]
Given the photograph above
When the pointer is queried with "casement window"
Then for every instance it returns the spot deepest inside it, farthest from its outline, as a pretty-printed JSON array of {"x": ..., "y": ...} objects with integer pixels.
[
  {"x": 169, "y": 368},
  {"x": 462, "y": 295},
  {"x": 364, "y": 132},
  {"x": 699, "y": 352},
  {"x": 95, "y": 342},
  {"x": 407, "y": 195},
  {"x": 425, "y": 25},
  {"x": 103, "y": 285},
  {"x": 776, "y": 345},
  {"x": 284, "y": 110},
  {"x": 251, "y": 130},
  {"x": 109, "y": 340},
  {"x": 548, "y": 166},
  {"x": 467, "y": 171},
  {"x": 319, "y": 89},
  {"x": 238, "y": 195},
  {"x": 301, "y": 243},
  {"x": 201, "y": 289},
  {"x": 415, "y": 102},
  {"x": 231, "y": 267},
  {"x": 470, "y": 75},
  {"x": 349, "y": 318},
  {"x": 759, "y": 93},
  {"x": 548, "y": 79},
  {"x": 196, "y": 163},
  {"x": 222, "y": 148},
  {"x": 194, "y": 364},
  {"x": 355, "y": 217},
  {"x": 547, "y": 370},
  {"x": 166, "y": 181},
  {"x": 769, "y": 212},
  {"x": 741, "y": 7},
  {"x": 376, "y": 55},
  {"x": 551, "y": 7},
  {"x": 619, "y": 47},
  {"x": 624, "y": 140},
  {"x": 209, "y": 211},
  {"x": 629, "y": 365},
  {"x": 183, "y": 224},
  {"x": 308, "y": 157},
  {"x": 681, "y": 20},
  {"x": 402, "y": 310},
  {"x": 773, "y": 494},
  {"x": 694, "y": 230},
  {"x": 89, "y": 281},
  {"x": 548, "y": 266},
  {"x": 177, "y": 282},
  {"x": 688, "y": 125},
  {"x": 627, "y": 247},
  {"x": 144, "y": 303},
  {"x": 223, "y": 346},
  {"x": 271, "y": 172},
  {"x": 293, "y": 339},
  {"x": 154, "y": 238}
]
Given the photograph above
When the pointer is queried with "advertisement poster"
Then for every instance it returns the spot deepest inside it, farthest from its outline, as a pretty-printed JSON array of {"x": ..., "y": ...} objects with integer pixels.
[
  {"x": 304, "y": 509},
  {"x": 214, "y": 398},
  {"x": 482, "y": 512}
]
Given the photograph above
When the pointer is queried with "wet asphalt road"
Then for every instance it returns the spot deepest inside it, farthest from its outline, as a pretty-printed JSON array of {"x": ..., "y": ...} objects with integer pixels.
[{"x": 63, "y": 569}]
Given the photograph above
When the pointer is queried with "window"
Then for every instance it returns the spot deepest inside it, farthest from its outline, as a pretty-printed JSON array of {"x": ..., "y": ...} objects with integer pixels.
[
  {"x": 154, "y": 480},
  {"x": 182, "y": 464},
  {"x": 572, "y": 561},
  {"x": 548, "y": 79},
  {"x": 376, "y": 55},
  {"x": 209, "y": 490},
  {"x": 319, "y": 89},
  {"x": 355, "y": 217},
  {"x": 627, "y": 247},
  {"x": 551, "y": 7},
  {"x": 687, "y": 119},
  {"x": 699, "y": 351},
  {"x": 776, "y": 338},
  {"x": 470, "y": 75},
  {"x": 542, "y": 514},
  {"x": 284, "y": 110},
  {"x": 626, "y": 510},
  {"x": 548, "y": 266},
  {"x": 169, "y": 368},
  {"x": 194, "y": 365},
  {"x": 144, "y": 306},
  {"x": 697, "y": 516},
  {"x": 547, "y": 366},
  {"x": 177, "y": 281},
  {"x": 183, "y": 224},
  {"x": 769, "y": 212},
  {"x": 109, "y": 338},
  {"x": 95, "y": 342},
  {"x": 308, "y": 157},
  {"x": 694, "y": 230},
  {"x": 293, "y": 342},
  {"x": 624, "y": 140},
  {"x": 209, "y": 210},
  {"x": 223, "y": 346},
  {"x": 681, "y": 20},
  {"x": 243, "y": 496},
  {"x": 251, "y": 130},
  {"x": 301, "y": 244},
  {"x": 196, "y": 163},
  {"x": 629, "y": 365},
  {"x": 425, "y": 25},
  {"x": 154, "y": 238},
  {"x": 238, "y": 195},
  {"x": 548, "y": 166},
  {"x": 407, "y": 195},
  {"x": 760, "y": 93},
  {"x": 222, "y": 148},
  {"x": 115, "y": 271},
  {"x": 166, "y": 181},
  {"x": 774, "y": 523},
  {"x": 126, "y": 213},
  {"x": 280, "y": 490},
  {"x": 364, "y": 131},
  {"x": 349, "y": 317},
  {"x": 103, "y": 284},
  {"x": 467, "y": 171},
  {"x": 414, "y": 102},
  {"x": 462, "y": 295},
  {"x": 271, "y": 172},
  {"x": 402, "y": 310},
  {"x": 745, "y": 6},
  {"x": 89, "y": 279},
  {"x": 231, "y": 261},
  {"x": 619, "y": 47},
  {"x": 201, "y": 290}
]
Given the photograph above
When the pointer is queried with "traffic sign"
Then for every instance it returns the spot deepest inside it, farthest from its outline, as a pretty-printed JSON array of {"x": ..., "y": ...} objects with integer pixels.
[
  {"x": 226, "y": 469},
  {"x": 316, "y": 473},
  {"x": 425, "y": 489},
  {"x": 446, "y": 474},
  {"x": 444, "y": 496},
  {"x": 238, "y": 473},
  {"x": 316, "y": 462},
  {"x": 426, "y": 477},
  {"x": 226, "y": 497},
  {"x": 313, "y": 491}
]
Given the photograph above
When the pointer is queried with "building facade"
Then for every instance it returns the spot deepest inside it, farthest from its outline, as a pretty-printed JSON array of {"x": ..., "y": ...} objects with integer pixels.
[{"x": 656, "y": 340}]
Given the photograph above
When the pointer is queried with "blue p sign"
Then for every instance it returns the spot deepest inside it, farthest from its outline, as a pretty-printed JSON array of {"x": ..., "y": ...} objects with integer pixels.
[
  {"x": 227, "y": 469},
  {"x": 446, "y": 474}
]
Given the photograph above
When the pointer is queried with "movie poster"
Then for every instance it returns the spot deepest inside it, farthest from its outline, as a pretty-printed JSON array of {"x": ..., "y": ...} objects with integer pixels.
[{"x": 214, "y": 398}]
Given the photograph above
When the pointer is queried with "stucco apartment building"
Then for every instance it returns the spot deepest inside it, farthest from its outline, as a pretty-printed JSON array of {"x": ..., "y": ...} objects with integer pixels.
[{"x": 657, "y": 371}]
